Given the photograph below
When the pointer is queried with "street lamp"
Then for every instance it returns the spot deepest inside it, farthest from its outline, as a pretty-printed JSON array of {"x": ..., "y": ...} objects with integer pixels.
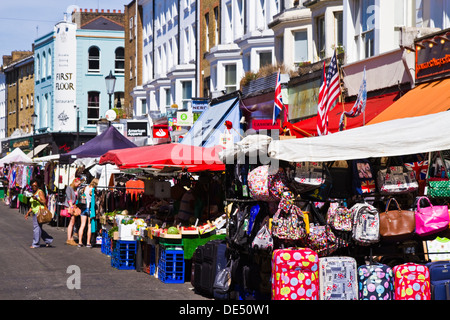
[
  {"x": 33, "y": 122},
  {"x": 110, "y": 83}
]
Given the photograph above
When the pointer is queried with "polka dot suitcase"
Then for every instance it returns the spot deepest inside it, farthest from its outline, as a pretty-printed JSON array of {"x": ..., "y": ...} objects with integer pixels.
[
  {"x": 412, "y": 282},
  {"x": 375, "y": 282},
  {"x": 295, "y": 274}
]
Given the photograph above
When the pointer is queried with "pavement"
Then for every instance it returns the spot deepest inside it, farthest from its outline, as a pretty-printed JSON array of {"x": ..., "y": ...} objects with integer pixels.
[{"x": 64, "y": 272}]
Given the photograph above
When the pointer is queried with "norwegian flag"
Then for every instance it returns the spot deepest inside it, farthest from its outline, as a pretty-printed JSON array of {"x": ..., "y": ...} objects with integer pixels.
[
  {"x": 278, "y": 101},
  {"x": 329, "y": 92},
  {"x": 360, "y": 104}
]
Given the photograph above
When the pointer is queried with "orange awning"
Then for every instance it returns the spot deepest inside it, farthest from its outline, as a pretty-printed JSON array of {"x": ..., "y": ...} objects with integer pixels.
[
  {"x": 374, "y": 107},
  {"x": 426, "y": 98}
]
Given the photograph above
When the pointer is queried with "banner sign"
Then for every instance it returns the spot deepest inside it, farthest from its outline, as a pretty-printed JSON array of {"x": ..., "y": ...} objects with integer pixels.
[
  {"x": 65, "y": 64},
  {"x": 199, "y": 105},
  {"x": 265, "y": 124}
]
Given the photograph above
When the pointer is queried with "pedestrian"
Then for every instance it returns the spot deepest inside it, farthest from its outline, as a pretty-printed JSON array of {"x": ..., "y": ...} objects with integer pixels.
[
  {"x": 37, "y": 202},
  {"x": 70, "y": 205},
  {"x": 84, "y": 203}
]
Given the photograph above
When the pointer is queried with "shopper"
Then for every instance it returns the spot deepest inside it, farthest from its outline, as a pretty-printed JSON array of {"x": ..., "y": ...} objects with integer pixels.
[
  {"x": 37, "y": 202},
  {"x": 70, "y": 201},
  {"x": 86, "y": 212}
]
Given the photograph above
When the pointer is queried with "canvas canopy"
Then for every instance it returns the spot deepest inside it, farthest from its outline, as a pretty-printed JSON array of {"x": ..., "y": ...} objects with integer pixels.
[
  {"x": 391, "y": 138},
  {"x": 16, "y": 156},
  {"x": 159, "y": 156},
  {"x": 110, "y": 139}
]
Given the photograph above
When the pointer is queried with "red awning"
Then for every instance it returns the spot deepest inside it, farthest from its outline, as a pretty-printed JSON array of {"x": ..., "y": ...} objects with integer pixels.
[
  {"x": 374, "y": 106},
  {"x": 159, "y": 156}
]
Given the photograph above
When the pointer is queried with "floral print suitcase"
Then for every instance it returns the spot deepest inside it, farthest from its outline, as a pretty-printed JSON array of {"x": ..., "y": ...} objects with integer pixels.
[
  {"x": 337, "y": 278},
  {"x": 376, "y": 282},
  {"x": 295, "y": 274},
  {"x": 412, "y": 282}
]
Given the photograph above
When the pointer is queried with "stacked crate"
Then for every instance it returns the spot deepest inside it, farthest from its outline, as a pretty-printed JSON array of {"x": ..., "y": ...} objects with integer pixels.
[
  {"x": 124, "y": 255},
  {"x": 171, "y": 261},
  {"x": 106, "y": 243}
]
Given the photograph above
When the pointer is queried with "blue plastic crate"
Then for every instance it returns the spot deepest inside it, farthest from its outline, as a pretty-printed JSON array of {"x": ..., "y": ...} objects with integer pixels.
[
  {"x": 106, "y": 244},
  {"x": 171, "y": 266},
  {"x": 124, "y": 255}
]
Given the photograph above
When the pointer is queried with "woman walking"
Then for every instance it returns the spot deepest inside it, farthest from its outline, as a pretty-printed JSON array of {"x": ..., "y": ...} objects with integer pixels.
[{"x": 37, "y": 202}]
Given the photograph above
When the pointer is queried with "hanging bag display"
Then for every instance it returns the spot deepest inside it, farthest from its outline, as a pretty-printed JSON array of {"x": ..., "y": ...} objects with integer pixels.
[
  {"x": 438, "y": 187},
  {"x": 397, "y": 224},
  {"x": 431, "y": 219}
]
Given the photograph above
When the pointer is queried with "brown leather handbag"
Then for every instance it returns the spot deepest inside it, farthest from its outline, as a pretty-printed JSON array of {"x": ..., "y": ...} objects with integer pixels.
[{"x": 397, "y": 225}]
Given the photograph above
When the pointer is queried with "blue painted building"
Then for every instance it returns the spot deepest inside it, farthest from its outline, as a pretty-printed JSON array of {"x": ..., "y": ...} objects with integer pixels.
[{"x": 71, "y": 64}]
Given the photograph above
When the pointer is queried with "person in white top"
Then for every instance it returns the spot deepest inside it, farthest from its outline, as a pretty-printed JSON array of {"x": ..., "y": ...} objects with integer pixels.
[{"x": 85, "y": 216}]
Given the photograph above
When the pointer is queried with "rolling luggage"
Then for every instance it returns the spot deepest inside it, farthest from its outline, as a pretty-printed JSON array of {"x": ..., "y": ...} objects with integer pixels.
[
  {"x": 337, "y": 278},
  {"x": 207, "y": 260},
  {"x": 412, "y": 282},
  {"x": 376, "y": 282},
  {"x": 440, "y": 280},
  {"x": 295, "y": 274}
]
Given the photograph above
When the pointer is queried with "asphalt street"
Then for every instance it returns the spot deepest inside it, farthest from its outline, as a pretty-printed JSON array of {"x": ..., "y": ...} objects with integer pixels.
[{"x": 64, "y": 272}]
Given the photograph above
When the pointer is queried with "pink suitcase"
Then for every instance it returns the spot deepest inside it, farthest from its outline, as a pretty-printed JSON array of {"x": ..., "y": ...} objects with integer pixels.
[
  {"x": 295, "y": 274},
  {"x": 412, "y": 282}
]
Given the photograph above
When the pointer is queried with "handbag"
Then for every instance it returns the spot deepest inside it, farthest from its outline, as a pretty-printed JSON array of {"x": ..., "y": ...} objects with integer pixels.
[
  {"x": 438, "y": 187},
  {"x": 44, "y": 215},
  {"x": 74, "y": 211},
  {"x": 308, "y": 176},
  {"x": 290, "y": 225},
  {"x": 397, "y": 180},
  {"x": 64, "y": 213},
  {"x": 263, "y": 239},
  {"x": 339, "y": 217},
  {"x": 397, "y": 224},
  {"x": 258, "y": 184},
  {"x": 432, "y": 219}
]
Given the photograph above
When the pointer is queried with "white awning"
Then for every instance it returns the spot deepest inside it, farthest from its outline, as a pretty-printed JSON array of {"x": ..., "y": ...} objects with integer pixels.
[
  {"x": 386, "y": 139},
  {"x": 37, "y": 150}
]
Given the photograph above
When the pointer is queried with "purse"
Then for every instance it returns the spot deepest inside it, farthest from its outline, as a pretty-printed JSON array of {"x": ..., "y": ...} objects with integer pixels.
[
  {"x": 432, "y": 219},
  {"x": 44, "y": 215},
  {"x": 397, "y": 224},
  {"x": 290, "y": 225},
  {"x": 397, "y": 180},
  {"x": 308, "y": 176},
  {"x": 438, "y": 187}
]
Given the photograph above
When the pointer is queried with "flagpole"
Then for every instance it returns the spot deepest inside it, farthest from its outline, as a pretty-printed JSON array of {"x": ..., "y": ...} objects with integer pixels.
[{"x": 342, "y": 97}]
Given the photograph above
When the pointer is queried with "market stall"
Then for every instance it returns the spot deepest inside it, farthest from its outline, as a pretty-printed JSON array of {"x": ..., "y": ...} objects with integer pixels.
[
  {"x": 336, "y": 196},
  {"x": 175, "y": 178}
]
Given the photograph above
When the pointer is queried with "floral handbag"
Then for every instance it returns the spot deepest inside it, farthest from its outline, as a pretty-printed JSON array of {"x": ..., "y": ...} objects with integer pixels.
[{"x": 290, "y": 224}]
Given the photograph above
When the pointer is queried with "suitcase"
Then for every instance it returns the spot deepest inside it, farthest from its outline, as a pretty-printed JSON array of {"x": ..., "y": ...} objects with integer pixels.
[
  {"x": 337, "y": 278},
  {"x": 412, "y": 282},
  {"x": 206, "y": 260},
  {"x": 295, "y": 274},
  {"x": 440, "y": 280},
  {"x": 376, "y": 282}
]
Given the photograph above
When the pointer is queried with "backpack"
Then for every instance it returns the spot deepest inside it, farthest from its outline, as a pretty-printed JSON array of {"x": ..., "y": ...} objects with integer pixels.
[
  {"x": 339, "y": 217},
  {"x": 363, "y": 181},
  {"x": 366, "y": 224}
]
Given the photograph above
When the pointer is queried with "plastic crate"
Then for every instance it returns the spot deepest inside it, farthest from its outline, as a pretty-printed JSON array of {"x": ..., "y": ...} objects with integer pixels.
[
  {"x": 124, "y": 255},
  {"x": 106, "y": 244},
  {"x": 171, "y": 266},
  {"x": 171, "y": 244}
]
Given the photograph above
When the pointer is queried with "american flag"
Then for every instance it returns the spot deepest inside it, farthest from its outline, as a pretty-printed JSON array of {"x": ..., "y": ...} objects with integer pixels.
[
  {"x": 278, "y": 101},
  {"x": 329, "y": 92},
  {"x": 360, "y": 104}
]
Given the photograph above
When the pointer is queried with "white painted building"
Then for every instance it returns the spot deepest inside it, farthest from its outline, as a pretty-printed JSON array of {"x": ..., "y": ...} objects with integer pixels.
[
  {"x": 246, "y": 44},
  {"x": 169, "y": 53}
]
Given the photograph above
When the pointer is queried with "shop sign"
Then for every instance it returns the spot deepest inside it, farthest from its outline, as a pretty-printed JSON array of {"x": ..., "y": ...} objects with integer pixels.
[
  {"x": 199, "y": 105},
  {"x": 22, "y": 144},
  {"x": 265, "y": 124},
  {"x": 160, "y": 132},
  {"x": 137, "y": 129},
  {"x": 432, "y": 62},
  {"x": 185, "y": 119}
]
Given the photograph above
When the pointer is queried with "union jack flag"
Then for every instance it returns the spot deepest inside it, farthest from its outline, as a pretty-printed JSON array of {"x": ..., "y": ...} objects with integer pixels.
[
  {"x": 329, "y": 92},
  {"x": 278, "y": 101},
  {"x": 360, "y": 104}
]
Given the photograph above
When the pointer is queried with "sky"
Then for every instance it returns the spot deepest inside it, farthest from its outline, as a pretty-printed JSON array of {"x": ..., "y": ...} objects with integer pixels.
[{"x": 23, "y": 21}]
